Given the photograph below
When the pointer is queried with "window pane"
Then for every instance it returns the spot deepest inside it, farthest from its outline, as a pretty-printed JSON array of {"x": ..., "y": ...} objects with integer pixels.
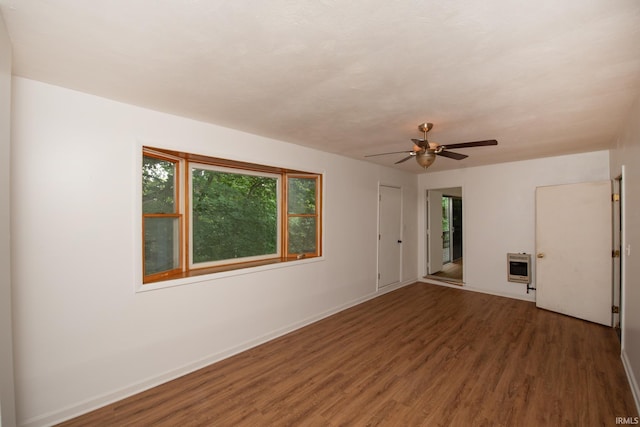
[
  {"x": 302, "y": 235},
  {"x": 158, "y": 186},
  {"x": 302, "y": 196},
  {"x": 233, "y": 215},
  {"x": 161, "y": 252}
]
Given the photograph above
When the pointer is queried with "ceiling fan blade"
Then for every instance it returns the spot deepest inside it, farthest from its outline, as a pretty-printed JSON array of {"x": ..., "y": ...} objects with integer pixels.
[
  {"x": 452, "y": 155},
  {"x": 422, "y": 143},
  {"x": 472, "y": 144},
  {"x": 405, "y": 159},
  {"x": 392, "y": 152}
]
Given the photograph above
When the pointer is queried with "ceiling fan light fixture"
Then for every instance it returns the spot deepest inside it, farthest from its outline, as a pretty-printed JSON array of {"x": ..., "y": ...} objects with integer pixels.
[{"x": 425, "y": 160}]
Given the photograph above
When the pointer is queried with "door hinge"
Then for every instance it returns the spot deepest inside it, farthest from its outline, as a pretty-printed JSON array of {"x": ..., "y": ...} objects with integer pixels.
[
  {"x": 615, "y": 197},
  {"x": 378, "y": 276},
  {"x": 615, "y": 253},
  {"x": 615, "y": 309}
]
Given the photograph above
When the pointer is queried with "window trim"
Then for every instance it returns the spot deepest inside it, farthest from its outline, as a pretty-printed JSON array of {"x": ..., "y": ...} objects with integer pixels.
[{"x": 187, "y": 273}]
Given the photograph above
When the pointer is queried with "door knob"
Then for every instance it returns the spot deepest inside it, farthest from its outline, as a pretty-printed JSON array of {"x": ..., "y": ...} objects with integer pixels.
[
  {"x": 540, "y": 255},
  {"x": 399, "y": 241}
]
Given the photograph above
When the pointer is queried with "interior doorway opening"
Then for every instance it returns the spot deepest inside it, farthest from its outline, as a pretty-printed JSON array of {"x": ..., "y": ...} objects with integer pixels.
[{"x": 445, "y": 235}]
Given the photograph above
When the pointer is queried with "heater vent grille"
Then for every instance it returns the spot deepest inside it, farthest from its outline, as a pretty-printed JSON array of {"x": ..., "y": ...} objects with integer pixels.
[{"x": 519, "y": 268}]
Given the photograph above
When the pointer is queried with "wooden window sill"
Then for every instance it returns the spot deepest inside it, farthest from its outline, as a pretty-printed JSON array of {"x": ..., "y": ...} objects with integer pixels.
[{"x": 196, "y": 272}]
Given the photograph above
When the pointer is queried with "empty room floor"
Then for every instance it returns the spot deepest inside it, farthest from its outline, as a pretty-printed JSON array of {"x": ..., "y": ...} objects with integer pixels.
[{"x": 422, "y": 355}]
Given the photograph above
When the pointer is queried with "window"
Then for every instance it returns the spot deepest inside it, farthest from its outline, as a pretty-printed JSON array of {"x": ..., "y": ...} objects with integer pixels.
[
  {"x": 302, "y": 214},
  {"x": 234, "y": 215},
  {"x": 203, "y": 214},
  {"x": 161, "y": 220}
]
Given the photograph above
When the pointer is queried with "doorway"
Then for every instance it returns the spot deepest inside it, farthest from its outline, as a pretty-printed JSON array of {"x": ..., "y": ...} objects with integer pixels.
[{"x": 445, "y": 235}]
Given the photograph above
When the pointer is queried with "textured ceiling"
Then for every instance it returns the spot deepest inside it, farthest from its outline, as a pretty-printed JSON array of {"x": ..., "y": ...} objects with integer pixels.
[{"x": 542, "y": 77}]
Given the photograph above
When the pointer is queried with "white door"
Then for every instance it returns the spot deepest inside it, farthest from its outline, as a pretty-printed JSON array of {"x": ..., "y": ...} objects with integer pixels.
[
  {"x": 389, "y": 236},
  {"x": 434, "y": 231},
  {"x": 573, "y": 250}
]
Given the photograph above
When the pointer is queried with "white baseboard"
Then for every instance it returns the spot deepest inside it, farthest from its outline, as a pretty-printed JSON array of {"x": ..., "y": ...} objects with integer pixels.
[
  {"x": 96, "y": 402},
  {"x": 631, "y": 377}
]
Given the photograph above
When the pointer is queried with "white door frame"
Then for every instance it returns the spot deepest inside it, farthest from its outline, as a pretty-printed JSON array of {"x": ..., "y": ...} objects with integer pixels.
[
  {"x": 617, "y": 245},
  {"x": 624, "y": 254},
  {"x": 434, "y": 231}
]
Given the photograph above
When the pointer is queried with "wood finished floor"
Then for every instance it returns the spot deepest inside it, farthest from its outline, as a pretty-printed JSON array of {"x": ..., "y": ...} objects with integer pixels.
[{"x": 423, "y": 355}]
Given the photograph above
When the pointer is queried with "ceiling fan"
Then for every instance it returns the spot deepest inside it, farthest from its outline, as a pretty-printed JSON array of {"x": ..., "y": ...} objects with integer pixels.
[{"x": 425, "y": 152}]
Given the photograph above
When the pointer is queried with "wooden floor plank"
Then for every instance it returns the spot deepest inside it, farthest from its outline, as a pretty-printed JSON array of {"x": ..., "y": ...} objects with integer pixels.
[{"x": 423, "y": 355}]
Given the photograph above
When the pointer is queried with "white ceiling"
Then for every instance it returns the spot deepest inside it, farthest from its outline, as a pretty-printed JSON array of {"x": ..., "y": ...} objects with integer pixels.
[{"x": 544, "y": 77}]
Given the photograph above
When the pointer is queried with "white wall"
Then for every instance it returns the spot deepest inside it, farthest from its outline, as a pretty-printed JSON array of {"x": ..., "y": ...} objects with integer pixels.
[
  {"x": 7, "y": 405},
  {"x": 83, "y": 336},
  {"x": 627, "y": 154},
  {"x": 499, "y": 212}
]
